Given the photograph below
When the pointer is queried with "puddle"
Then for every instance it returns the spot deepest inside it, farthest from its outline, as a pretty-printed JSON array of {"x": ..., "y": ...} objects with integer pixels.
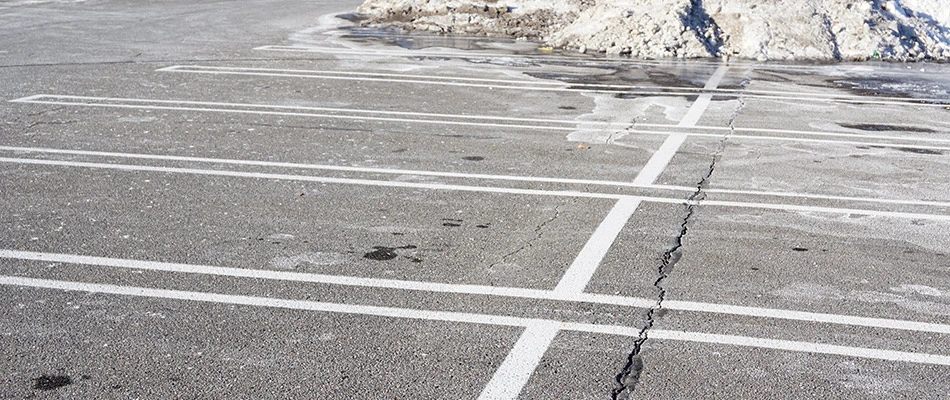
[
  {"x": 917, "y": 88},
  {"x": 412, "y": 40}
]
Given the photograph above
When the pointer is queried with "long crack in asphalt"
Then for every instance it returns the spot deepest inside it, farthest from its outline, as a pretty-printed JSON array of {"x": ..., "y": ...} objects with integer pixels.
[{"x": 629, "y": 376}]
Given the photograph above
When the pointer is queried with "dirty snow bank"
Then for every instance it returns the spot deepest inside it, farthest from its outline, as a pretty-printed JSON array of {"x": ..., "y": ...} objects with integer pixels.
[{"x": 899, "y": 30}]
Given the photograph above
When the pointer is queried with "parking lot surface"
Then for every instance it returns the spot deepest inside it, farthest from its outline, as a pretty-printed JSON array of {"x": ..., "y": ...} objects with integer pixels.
[{"x": 258, "y": 200}]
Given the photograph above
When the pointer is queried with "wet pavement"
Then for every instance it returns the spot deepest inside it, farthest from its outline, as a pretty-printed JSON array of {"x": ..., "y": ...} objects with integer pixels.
[{"x": 260, "y": 200}]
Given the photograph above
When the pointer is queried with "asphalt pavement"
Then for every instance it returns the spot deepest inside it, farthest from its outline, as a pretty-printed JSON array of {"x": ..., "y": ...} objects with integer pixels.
[{"x": 257, "y": 199}]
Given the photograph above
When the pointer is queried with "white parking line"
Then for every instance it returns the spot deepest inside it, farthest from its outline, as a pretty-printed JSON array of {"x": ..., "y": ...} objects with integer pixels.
[
  {"x": 557, "y": 86},
  {"x": 676, "y": 134},
  {"x": 479, "y": 189},
  {"x": 536, "y": 294},
  {"x": 481, "y": 319},
  {"x": 553, "y": 86},
  {"x": 581, "y": 271},
  {"x": 664, "y": 155},
  {"x": 660, "y": 159},
  {"x": 344, "y": 113},
  {"x": 522, "y": 360},
  {"x": 699, "y": 106},
  {"x": 668, "y": 129},
  {"x": 462, "y": 175}
]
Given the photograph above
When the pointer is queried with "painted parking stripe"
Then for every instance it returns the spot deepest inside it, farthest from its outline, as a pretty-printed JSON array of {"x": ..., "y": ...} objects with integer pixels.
[
  {"x": 462, "y": 175},
  {"x": 579, "y": 274},
  {"x": 521, "y": 361},
  {"x": 664, "y": 155},
  {"x": 469, "y": 318},
  {"x": 537, "y": 294},
  {"x": 666, "y": 151},
  {"x": 478, "y": 189},
  {"x": 554, "y": 86},
  {"x": 665, "y": 129},
  {"x": 318, "y": 112}
]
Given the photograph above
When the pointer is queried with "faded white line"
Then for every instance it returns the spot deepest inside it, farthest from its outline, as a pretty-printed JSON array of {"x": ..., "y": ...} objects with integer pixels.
[
  {"x": 581, "y": 271},
  {"x": 482, "y": 319},
  {"x": 558, "y": 86},
  {"x": 266, "y": 109},
  {"x": 460, "y": 175},
  {"x": 488, "y": 82},
  {"x": 679, "y": 129},
  {"x": 522, "y": 360},
  {"x": 664, "y": 155},
  {"x": 480, "y": 189},
  {"x": 712, "y": 308}
]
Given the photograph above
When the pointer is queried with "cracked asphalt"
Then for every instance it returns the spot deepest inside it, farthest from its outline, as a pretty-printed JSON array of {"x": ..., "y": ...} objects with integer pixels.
[{"x": 258, "y": 200}]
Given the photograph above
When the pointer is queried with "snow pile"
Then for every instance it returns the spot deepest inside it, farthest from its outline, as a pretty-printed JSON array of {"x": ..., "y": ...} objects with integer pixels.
[{"x": 899, "y": 30}]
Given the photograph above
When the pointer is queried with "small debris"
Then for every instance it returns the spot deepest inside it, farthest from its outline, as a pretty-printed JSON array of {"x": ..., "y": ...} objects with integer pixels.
[{"x": 583, "y": 146}]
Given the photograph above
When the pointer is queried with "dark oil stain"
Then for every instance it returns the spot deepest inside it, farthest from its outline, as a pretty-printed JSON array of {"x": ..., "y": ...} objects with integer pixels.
[
  {"x": 383, "y": 253},
  {"x": 398, "y": 234},
  {"x": 482, "y": 226},
  {"x": 635, "y": 95},
  {"x": 456, "y": 136},
  {"x": 428, "y": 58},
  {"x": 921, "y": 151},
  {"x": 754, "y": 268},
  {"x": 883, "y": 128},
  {"x": 451, "y": 222},
  {"x": 563, "y": 77},
  {"x": 473, "y": 158},
  {"x": 51, "y": 382},
  {"x": 567, "y": 107},
  {"x": 800, "y": 249},
  {"x": 915, "y": 150}
]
